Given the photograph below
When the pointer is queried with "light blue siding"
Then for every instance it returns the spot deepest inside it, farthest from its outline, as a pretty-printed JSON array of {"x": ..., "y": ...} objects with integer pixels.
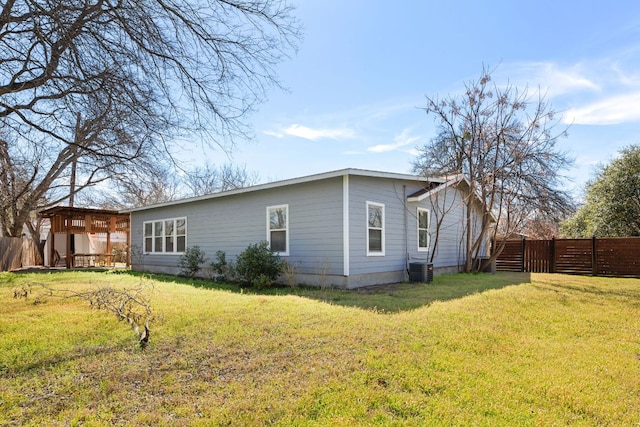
[
  {"x": 231, "y": 223},
  {"x": 392, "y": 194},
  {"x": 401, "y": 227},
  {"x": 448, "y": 208}
]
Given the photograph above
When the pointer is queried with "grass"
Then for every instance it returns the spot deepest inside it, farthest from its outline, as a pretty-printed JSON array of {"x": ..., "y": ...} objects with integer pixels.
[{"x": 504, "y": 349}]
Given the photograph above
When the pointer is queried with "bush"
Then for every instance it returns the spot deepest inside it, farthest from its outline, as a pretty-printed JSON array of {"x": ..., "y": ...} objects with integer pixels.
[
  {"x": 222, "y": 269},
  {"x": 262, "y": 282},
  {"x": 191, "y": 261},
  {"x": 258, "y": 265}
]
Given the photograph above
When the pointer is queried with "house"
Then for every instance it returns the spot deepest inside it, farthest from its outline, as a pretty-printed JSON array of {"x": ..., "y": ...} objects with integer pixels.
[{"x": 347, "y": 228}]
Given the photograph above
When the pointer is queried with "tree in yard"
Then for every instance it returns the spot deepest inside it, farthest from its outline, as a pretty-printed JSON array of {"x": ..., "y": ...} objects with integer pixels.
[
  {"x": 209, "y": 179},
  {"x": 612, "y": 202},
  {"x": 504, "y": 141},
  {"x": 154, "y": 182},
  {"x": 149, "y": 183},
  {"x": 541, "y": 229},
  {"x": 91, "y": 90},
  {"x": 441, "y": 205}
]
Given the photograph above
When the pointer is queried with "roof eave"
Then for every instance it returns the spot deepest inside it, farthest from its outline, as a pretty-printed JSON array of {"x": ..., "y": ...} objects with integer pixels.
[
  {"x": 445, "y": 184},
  {"x": 292, "y": 181}
]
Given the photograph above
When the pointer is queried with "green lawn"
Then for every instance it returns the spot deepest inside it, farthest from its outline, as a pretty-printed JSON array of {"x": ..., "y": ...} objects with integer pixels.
[{"x": 485, "y": 350}]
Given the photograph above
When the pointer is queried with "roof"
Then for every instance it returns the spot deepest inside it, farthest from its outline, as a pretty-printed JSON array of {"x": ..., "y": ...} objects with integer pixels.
[
  {"x": 287, "y": 182},
  {"x": 68, "y": 210},
  {"x": 424, "y": 193}
]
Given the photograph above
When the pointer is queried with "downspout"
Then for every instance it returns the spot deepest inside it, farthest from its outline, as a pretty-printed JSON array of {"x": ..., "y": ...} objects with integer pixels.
[
  {"x": 406, "y": 228},
  {"x": 462, "y": 240},
  {"x": 345, "y": 226}
]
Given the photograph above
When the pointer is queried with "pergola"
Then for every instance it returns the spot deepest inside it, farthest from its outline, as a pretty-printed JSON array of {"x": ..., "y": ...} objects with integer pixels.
[{"x": 72, "y": 220}]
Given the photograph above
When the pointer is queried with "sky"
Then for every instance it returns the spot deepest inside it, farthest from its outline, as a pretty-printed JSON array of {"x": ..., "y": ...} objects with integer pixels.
[{"x": 358, "y": 84}]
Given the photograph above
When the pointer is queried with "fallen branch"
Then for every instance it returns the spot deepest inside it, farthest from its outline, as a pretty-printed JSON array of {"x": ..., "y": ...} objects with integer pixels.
[
  {"x": 130, "y": 305},
  {"x": 127, "y": 304}
]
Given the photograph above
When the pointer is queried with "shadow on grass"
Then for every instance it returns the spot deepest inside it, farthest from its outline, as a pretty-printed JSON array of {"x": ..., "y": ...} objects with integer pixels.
[
  {"x": 383, "y": 298},
  {"x": 604, "y": 290},
  {"x": 46, "y": 362}
]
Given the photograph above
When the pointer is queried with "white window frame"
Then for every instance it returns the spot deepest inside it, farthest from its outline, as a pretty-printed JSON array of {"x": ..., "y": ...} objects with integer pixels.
[
  {"x": 382, "y": 229},
  {"x": 286, "y": 229},
  {"x": 163, "y": 250},
  {"x": 418, "y": 211}
]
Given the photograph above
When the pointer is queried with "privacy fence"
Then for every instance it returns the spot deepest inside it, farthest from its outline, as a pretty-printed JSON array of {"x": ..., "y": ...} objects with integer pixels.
[
  {"x": 615, "y": 257},
  {"x": 17, "y": 252}
]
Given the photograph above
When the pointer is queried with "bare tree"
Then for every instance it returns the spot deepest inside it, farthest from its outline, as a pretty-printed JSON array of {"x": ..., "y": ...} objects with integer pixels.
[
  {"x": 153, "y": 182},
  {"x": 209, "y": 179},
  {"x": 541, "y": 228},
  {"x": 87, "y": 89},
  {"x": 150, "y": 185},
  {"x": 16, "y": 182},
  {"x": 504, "y": 141},
  {"x": 442, "y": 203}
]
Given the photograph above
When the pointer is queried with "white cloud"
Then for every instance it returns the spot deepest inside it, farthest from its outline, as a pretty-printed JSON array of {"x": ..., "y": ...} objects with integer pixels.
[
  {"x": 399, "y": 141},
  {"x": 609, "y": 111},
  {"x": 311, "y": 133},
  {"x": 601, "y": 92},
  {"x": 352, "y": 122},
  {"x": 315, "y": 134},
  {"x": 551, "y": 78},
  {"x": 273, "y": 133}
]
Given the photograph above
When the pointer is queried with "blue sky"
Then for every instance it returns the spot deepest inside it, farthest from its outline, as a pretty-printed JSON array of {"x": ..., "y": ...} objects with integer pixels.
[{"x": 359, "y": 80}]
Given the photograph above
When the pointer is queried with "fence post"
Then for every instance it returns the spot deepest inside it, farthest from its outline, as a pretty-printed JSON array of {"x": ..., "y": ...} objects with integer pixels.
[
  {"x": 594, "y": 257},
  {"x": 552, "y": 256},
  {"x": 524, "y": 247}
]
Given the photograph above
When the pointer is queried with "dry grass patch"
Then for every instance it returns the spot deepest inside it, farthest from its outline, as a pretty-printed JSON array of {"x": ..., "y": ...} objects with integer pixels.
[{"x": 467, "y": 349}]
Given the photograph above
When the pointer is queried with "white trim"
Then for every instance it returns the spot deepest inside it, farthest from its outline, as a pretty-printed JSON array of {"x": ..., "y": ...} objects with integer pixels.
[
  {"x": 382, "y": 234},
  {"x": 304, "y": 179},
  {"x": 418, "y": 210},
  {"x": 153, "y": 237},
  {"x": 345, "y": 225},
  {"x": 286, "y": 229}
]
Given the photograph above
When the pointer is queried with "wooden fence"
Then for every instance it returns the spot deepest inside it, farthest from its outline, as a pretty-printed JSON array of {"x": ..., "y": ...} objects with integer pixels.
[
  {"x": 615, "y": 257},
  {"x": 16, "y": 252}
]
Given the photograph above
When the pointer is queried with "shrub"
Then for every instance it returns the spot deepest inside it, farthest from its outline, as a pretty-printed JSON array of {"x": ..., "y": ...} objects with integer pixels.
[
  {"x": 222, "y": 269},
  {"x": 262, "y": 282},
  {"x": 190, "y": 261},
  {"x": 258, "y": 265}
]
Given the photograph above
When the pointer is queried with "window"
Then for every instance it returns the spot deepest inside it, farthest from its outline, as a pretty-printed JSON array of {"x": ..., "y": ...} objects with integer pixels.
[
  {"x": 375, "y": 229},
  {"x": 423, "y": 229},
  {"x": 278, "y": 228},
  {"x": 165, "y": 236}
]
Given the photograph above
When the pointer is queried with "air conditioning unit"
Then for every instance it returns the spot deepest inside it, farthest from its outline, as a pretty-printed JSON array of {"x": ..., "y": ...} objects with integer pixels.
[{"x": 420, "y": 272}]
